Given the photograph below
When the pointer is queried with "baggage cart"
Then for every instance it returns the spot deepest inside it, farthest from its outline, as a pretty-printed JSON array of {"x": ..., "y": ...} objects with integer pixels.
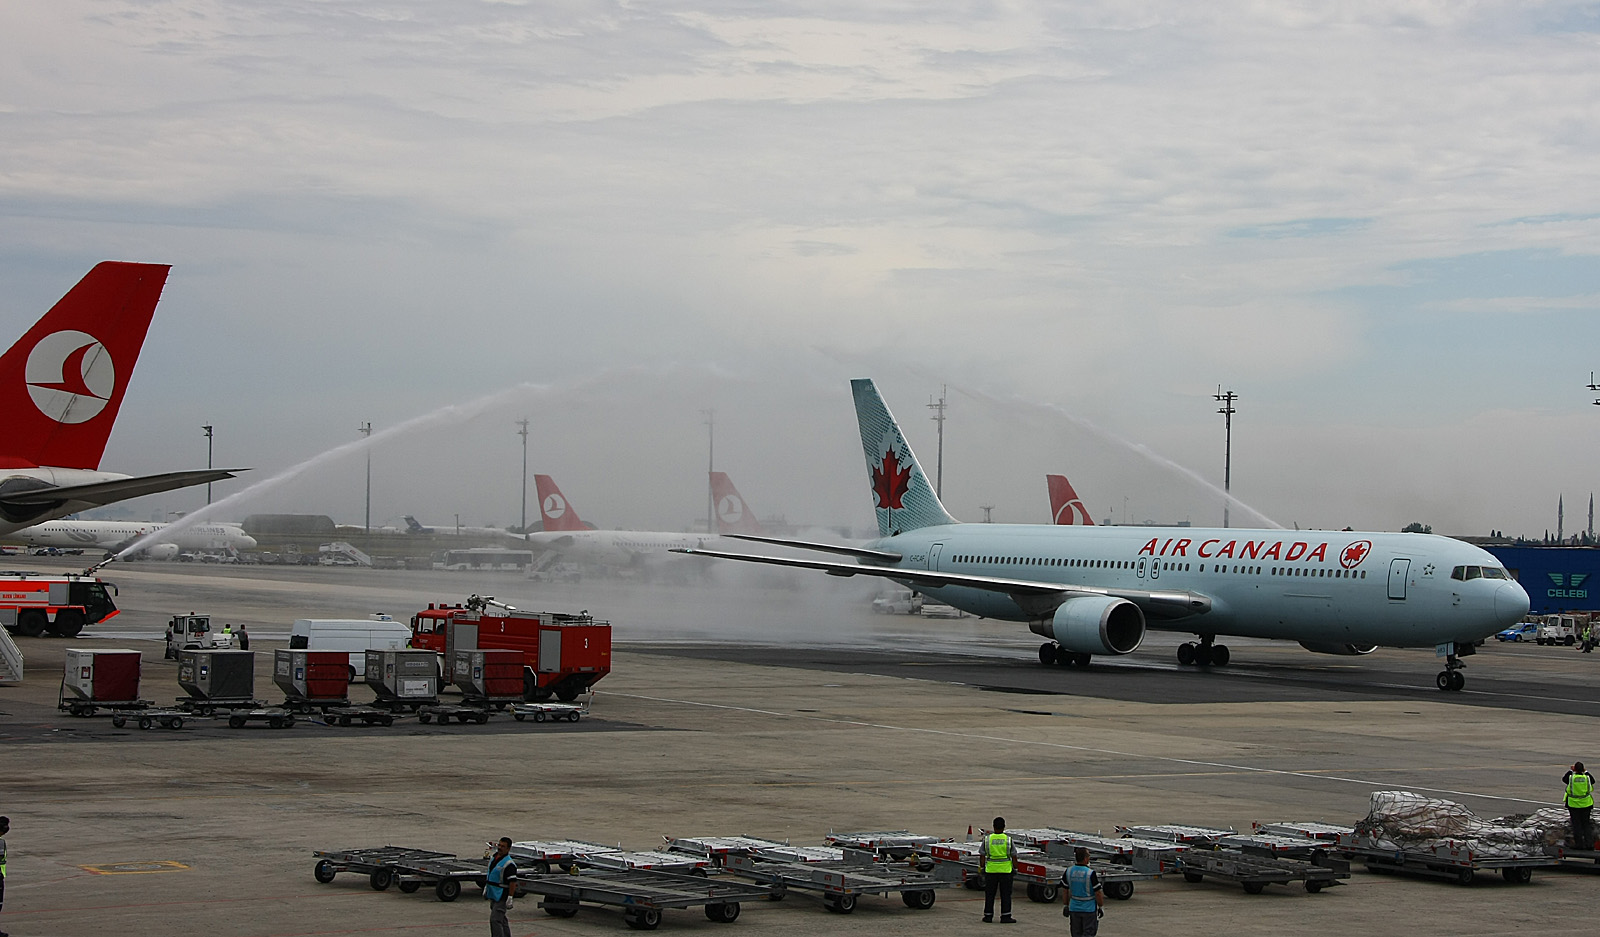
[
  {"x": 274, "y": 716},
  {"x": 444, "y": 712},
  {"x": 349, "y": 715},
  {"x": 1255, "y": 870},
  {"x": 99, "y": 678},
  {"x": 376, "y": 862},
  {"x": 1445, "y": 860},
  {"x": 1327, "y": 832},
  {"x": 802, "y": 853},
  {"x": 641, "y": 894},
  {"x": 444, "y": 874},
  {"x": 552, "y": 712},
  {"x": 1178, "y": 833},
  {"x": 312, "y": 681},
  {"x": 151, "y": 717},
  {"x": 216, "y": 680},
  {"x": 1155, "y": 856},
  {"x": 840, "y": 884},
  {"x": 490, "y": 677},
  {"x": 650, "y": 860},
  {"x": 403, "y": 679},
  {"x": 962, "y": 863},
  {"x": 542, "y": 855},
  {"x": 1575, "y": 860},
  {"x": 715, "y": 849},
  {"x": 886, "y": 845}
]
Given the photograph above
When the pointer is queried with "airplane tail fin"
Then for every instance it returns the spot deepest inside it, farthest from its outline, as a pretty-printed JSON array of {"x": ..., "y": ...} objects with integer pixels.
[
  {"x": 61, "y": 384},
  {"x": 554, "y": 510},
  {"x": 414, "y": 526},
  {"x": 1065, "y": 505},
  {"x": 903, "y": 498},
  {"x": 733, "y": 514}
]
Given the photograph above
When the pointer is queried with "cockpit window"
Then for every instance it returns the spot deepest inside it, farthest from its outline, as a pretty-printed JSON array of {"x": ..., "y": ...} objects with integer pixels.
[
  {"x": 1495, "y": 572},
  {"x": 1464, "y": 573}
]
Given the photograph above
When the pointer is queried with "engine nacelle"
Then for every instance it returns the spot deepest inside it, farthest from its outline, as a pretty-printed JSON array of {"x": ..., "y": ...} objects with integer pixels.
[
  {"x": 1094, "y": 624},
  {"x": 161, "y": 551},
  {"x": 1341, "y": 650}
]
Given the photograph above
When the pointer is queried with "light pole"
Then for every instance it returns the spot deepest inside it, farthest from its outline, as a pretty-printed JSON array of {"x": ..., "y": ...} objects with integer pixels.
[
  {"x": 523, "y": 432},
  {"x": 207, "y": 428},
  {"x": 1227, "y": 411},
  {"x": 938, "y": 417},
  {"x": 711, "y": 465},
  {"x": 365, "y": 429}
]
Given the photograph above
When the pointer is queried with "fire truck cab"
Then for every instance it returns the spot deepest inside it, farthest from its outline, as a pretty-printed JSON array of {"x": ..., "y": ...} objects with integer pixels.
[
  {"x": 32, "y": 604},
  {"x": 563, "y": 655}
]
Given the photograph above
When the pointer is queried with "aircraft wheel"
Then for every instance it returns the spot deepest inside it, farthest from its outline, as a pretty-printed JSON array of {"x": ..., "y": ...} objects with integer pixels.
[
  {"x": 1219, "y": 655},
  {"x": 1047, "y": 653},
  {"x": 1458, "y": 680},
  {"x": 1443, "y": 681},
  {"x": 1186, "y": 653}
]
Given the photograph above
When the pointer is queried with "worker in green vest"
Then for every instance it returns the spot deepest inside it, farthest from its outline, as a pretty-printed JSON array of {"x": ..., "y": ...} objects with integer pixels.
[
  {"x": 1580, "y": 803},
  {"x": 999, "y": 863}
]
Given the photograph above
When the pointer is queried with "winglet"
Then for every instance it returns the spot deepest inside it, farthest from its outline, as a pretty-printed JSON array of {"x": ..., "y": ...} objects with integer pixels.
[
  {"x": 61, "y": 384},
  {"x": 556, "y": 513},
  {"x": 902, "y": 497},
  {"x": 1065, "y": 505}
]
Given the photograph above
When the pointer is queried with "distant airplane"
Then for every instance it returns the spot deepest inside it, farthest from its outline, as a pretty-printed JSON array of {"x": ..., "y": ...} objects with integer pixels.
[
  {"x": 1066, "y": 508},
  {"x": 1095, "y": 590},
  {"x": 61, "y": 386},
  {"x": 413, "y": 526},
  {"x": 733, "y": 514},
  {"x": 115, "y": 536},
  {"x": 567, "y": 534}
]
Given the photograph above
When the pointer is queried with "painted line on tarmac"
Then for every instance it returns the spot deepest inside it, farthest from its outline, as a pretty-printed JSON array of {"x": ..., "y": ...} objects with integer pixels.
[
  {"x": 1542, "y": 699},
  {"x": 973, "y": 736}
]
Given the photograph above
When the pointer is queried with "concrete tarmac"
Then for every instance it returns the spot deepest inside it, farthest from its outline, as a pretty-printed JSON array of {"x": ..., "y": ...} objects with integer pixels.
[{"x": 775, "y": 708}]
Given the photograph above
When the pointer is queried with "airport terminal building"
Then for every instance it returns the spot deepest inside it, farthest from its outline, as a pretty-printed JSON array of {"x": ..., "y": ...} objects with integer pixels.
[{"x": 1557, "y": 578}]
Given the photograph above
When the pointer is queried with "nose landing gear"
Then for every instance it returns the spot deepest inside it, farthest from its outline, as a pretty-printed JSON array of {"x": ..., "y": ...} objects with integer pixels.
[{"x": 1451, "y": 679}]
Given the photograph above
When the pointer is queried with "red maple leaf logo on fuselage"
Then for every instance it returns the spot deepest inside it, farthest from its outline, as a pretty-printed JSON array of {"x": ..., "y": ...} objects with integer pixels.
[{"x": 890, "y": 482}]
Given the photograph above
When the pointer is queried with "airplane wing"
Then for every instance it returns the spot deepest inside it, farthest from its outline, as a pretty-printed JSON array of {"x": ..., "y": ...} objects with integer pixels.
[
  {"x": 112, "y": 491},
  {"x": 1034, "y": 598},
  {"x": 882, "y": 556}
]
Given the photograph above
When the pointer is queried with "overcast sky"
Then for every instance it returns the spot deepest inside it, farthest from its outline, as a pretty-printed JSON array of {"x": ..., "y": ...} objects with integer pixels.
[{"x": 1378, "y": 222}]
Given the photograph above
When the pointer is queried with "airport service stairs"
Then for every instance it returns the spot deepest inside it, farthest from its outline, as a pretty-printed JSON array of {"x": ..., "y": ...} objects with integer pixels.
[
  {"x": 348, "y": 551},
  {"x": 10, "y": 659}
]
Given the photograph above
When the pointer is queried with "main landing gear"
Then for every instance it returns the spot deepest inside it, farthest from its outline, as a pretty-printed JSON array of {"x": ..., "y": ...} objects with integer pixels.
[
  {"x": 1451, "y": 679},
  {"x": 1053, "y": 654},
  {"x": 1204, "y": 654}
]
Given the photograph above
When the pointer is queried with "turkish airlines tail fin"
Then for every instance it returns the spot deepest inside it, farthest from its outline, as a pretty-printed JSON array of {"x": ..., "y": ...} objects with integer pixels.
[
  {"x": 1065, "y": 505},
  {"x": 903, "y": 498},
  {"x": 61, "y": 384},
  {"x": 733, "y": 515},
  {"x": 553, "y": 507}
]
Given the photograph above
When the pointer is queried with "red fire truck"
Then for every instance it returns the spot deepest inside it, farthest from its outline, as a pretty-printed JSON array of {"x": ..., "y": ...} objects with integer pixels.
[
  {"x": 30, "y": 603},
  {"x": 562, "y": 655}
]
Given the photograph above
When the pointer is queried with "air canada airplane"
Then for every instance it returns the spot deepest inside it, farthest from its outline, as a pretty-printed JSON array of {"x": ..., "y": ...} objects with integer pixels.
[
  {"x": 1095, "y": 590},
  {"x": 61, "y": 386},
  {"x": 116, "y": 536}
]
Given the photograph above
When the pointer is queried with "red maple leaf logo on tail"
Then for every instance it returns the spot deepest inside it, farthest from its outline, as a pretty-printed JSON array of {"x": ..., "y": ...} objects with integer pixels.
[{"x": 890, "y": 482}]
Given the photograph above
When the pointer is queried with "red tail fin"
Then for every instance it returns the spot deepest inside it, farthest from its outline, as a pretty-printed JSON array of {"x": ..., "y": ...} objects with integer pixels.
[
  {"x": 1065, "y": 505},
  {"x": 553, "y": 507},
  {"x": 733, "y": 515},
  {"x": 61, "y": 384}
]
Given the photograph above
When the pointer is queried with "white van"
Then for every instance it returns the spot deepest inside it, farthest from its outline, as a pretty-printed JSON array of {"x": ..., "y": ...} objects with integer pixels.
[{"x": 356, "y": 635}]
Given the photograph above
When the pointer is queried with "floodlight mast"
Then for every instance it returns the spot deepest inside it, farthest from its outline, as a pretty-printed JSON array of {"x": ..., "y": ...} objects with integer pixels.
[{"x": 1227, "y": 411}]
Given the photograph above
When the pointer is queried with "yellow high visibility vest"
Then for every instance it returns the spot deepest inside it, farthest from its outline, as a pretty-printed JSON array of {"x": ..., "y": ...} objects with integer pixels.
[
  {"x": 997, "y": 855},
  {"x": 1580, "y": 791}
]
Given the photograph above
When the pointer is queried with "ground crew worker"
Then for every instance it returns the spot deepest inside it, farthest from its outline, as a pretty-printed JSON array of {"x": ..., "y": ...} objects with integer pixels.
[
  {"x": 999, "y": 862},
  {"x": 244, "y": 639},
  {"x": 1580, "y": 803},
  {"x": 500, "y": 887},
  {"x": 1085, "y": 897},
  {"x": 5, "y": 827}
]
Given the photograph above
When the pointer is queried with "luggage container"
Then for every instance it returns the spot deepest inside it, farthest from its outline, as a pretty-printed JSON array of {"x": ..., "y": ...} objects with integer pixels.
[
  {"x": 312, "y": 680},
  {"x": 407, "y": 679},
  {"x": 217, "y": 678},
  {"x": 103, "y": 675},
  {"x": 491, "y": 676}
]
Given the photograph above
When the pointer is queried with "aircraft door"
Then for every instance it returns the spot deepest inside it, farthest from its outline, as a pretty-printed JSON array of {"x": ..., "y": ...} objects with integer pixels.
[
  {"x": 933, "y": 556},
  {"x": 1399, "y": 570},
  {"x": 1141, "y": 568},
  {"x": 1155, "y": 568}
]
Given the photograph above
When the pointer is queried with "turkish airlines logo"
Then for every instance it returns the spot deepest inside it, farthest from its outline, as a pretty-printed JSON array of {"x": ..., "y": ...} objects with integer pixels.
[
  {"x": 1073, "y": 512},
  {"x": 730, "y": 509},
  {"x": 1355, "y": 553},
  {"x": 555, "y": 506},
  {"x": 70, "y": 376}
]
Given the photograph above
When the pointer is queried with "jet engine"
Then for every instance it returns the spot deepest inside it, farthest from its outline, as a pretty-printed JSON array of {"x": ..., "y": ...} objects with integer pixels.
[
  {"x": 161, "y": 551},
  {"x": 1094, "y": 624},
  {"x": 1341, "y": 650}
]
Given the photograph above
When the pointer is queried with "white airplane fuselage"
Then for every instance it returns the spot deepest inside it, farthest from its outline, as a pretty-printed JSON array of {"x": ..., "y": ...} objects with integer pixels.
[
  {"x": 114, "y": 535},
  {"x": 624, "y": 548},
  {"x": 1319, "y": 587}
]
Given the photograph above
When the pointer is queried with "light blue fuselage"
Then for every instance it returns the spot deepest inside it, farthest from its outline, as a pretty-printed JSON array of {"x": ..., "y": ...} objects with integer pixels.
[{"x": 1361, "y": 588}]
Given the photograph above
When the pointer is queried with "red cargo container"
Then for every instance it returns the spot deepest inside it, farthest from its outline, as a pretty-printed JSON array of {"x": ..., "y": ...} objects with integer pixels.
[
  {"x": 489, "y": 674},
  {"x": 103, "y": 675},
  {"x": 312, "y": 676},
  {"x": 562, "y": 655}
]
